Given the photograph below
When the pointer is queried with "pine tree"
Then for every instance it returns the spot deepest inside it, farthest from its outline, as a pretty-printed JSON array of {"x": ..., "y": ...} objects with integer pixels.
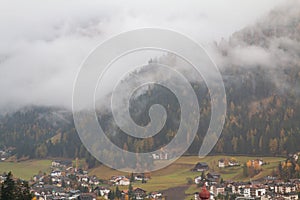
[
  {"x": 22, "y": 191},
  {"x": 8, "y": 187},
  {"x": 245, "y": 170},
  {"x": 118, "y": 193},
  {"x": 202, "y": 176},
  {"x": 111, "y": 195},
  {"x": 130, "y": 191},
  {"x": 131, "y": 178}
]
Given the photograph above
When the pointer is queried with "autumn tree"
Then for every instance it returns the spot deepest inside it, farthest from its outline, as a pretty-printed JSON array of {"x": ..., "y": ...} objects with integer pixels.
[{"x": 273, "y": 146}]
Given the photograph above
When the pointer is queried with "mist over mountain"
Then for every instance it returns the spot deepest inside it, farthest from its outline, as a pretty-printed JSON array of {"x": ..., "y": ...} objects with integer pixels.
[
  {"x": 272, "y": 43},
  {"x": 43, "y": 44},
  {"x": 260, "y": 65}
]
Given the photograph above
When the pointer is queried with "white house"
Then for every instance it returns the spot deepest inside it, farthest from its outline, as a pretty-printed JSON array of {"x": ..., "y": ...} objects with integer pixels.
[
  {"x": 233, "y": 163},
  {"x": 123, "y": 181},
  {"x": 104, "y": 192},
  {"x": 155, "y": 156},
  {"x": 221, "y": 163},
  {"x": 217, "y": 189},
  {"x": 55, "y": 173},
  {"x": 247, "y": 192},
  {"x": 198, "y": 180},
  {"x": 259, "y": 191}
]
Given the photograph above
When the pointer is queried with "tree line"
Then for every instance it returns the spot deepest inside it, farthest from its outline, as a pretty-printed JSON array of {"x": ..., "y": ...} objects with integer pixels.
[
  {"x": 15, "y": 189},
  {"x": 260, "y": 120}
]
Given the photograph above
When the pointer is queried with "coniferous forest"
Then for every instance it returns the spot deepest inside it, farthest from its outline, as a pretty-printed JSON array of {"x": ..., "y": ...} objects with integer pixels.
[{"x": 263, "y": 104}]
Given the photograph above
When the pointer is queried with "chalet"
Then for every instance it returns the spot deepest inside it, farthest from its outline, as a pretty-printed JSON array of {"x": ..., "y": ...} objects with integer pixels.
[
  {"x": 221, "y": 163},
  {"x": 296, "y": 182},
  {"x": 260, "y": 162},
  {"x": 115, "y": 178},
  {"x": 291, "y": 196},
  {"x": 160, "y": 156},
  {"x": 155, "y": 156},
  {"x": 139, "y": 193},
  {"x": 55, "y": 180},
  {"x": 67, "y": 181},
  {"x": 233, "y": 163},
  {"x": 141, "y": 177},
  {"x": 102, "y": 191},
  {"x": 123, "y": 181},
  {"x": 94, "y": 181},
  {"x": 201, "y": 166},
  {"x": 61, "y": 163},
  {"x": 87, "y": 196},
  {"x": 81, "y": 171},
  {"x": 284, "y": 188},
  {"x": 84, "y": 179},
  {"x": 47, "y": 190},
  {"x": 55, "y": 163},
  {"x": 55, "y": 173},
  {"x": 257, "y": 190},
  {"x": 237, "y": 187},
  {"x": 246, "y": 191},
  {"x": 294, "y": 156},
  {"x": 196, "y": 195},
  {"x": 217, "y": 189},
  {"x": 198, "y": 179},
  {"x": 38, "y": 178},
  {"x": 213, "y": 177},
  {"x": 155, "y": 195},
  {"x": 120, "y": 180},
  {"x": 74, "y": 193},
  {"x": 163, "y": 155}
]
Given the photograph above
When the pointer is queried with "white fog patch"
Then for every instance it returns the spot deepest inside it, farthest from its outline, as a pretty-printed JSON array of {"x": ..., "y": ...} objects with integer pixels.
[{"x": 43, "y": 43}]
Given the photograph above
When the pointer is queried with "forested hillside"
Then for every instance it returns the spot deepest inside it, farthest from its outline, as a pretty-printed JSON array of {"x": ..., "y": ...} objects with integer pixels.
[{"x": 260, "y": 66}]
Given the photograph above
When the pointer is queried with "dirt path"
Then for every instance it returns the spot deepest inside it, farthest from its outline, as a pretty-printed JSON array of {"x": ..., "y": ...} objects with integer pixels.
[{"x": 176, "y": 193}]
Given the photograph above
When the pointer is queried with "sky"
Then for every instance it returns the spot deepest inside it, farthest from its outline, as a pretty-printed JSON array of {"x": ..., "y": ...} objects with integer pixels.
[{"x": 43, "y": 43}]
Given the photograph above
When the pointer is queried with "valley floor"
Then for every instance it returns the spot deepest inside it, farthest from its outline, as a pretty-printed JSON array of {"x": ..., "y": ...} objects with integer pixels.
[{"x": 172, "y": 179}]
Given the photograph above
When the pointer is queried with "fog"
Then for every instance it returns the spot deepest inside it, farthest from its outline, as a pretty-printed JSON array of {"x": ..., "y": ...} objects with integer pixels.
[
  {"x": 272, "y": 43},
  {"x": 43, "y": 43}
]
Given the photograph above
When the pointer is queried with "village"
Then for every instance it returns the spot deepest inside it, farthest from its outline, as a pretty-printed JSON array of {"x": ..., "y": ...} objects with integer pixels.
[{"x": 68, "y": 181}]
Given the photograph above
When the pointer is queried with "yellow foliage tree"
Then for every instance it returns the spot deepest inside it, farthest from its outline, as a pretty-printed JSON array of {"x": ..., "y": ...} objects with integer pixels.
[
  {"x": 256, "y": 165},
  {"x": 249, "y": 163},
  {"x": 297, "y": 168},
  {"x": 289, "y": 164}
]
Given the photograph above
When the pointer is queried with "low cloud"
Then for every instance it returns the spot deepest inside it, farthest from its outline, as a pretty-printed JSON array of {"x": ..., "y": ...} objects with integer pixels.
[{"x": 44, "y": 43}]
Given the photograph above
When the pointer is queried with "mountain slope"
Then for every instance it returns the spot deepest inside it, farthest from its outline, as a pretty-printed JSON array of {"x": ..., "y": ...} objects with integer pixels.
[{"x": 261, "y": 70}]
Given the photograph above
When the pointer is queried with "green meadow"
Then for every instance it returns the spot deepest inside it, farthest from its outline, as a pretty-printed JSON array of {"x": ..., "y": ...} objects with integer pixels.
[
  {"x": 175, "y": 175},
  {"x": 26, "y": 169}
]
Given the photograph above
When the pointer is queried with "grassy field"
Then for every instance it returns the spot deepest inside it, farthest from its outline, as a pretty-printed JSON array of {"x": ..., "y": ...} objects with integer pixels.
[
  {"x": 25, "y": 169},
  {"x": 176, "y": 174}
]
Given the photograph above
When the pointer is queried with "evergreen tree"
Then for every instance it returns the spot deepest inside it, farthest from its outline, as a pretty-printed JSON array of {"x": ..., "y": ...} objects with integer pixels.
[
  {"x": 8, "y": 187},
  {"x": 202, "y": 176},
  {"x": 130, "y": 191},
  {"x": 245, "y": 170},
  {"x": 111, "y": 195},
  {"x": 22, "y": 191},
  {"x": 118, "y": 193},
  {"x": 131, "y": 178}
]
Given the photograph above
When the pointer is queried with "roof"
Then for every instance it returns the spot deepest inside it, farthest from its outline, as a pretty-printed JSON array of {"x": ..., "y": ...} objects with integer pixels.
[
  {"x": 204, "y": 194},
  {"x": 139, "y": 189},
  {"x": 201, "y": 164}
]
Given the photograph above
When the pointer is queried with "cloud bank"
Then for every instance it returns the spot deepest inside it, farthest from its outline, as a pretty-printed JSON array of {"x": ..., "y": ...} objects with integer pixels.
[{"x": 43, "y": 43}]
